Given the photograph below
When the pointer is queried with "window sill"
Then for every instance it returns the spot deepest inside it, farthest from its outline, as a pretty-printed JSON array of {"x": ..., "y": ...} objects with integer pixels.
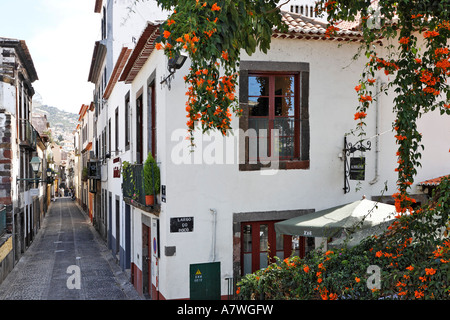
[{"x": 279, "y": 165}]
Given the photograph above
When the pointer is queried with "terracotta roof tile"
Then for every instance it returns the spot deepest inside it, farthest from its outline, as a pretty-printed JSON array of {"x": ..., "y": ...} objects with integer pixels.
[
  {"x": 300, "y": 26},
  {"x": 433, "y": 182},
  {"x": 82, "y": 112}
]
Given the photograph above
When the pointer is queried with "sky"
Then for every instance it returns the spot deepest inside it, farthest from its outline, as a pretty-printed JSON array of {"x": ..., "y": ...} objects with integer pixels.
[{"x": 60, "y": 35}]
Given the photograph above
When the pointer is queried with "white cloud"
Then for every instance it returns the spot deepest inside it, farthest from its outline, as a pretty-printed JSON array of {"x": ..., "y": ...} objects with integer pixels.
[{"x": 62, "y": 54}]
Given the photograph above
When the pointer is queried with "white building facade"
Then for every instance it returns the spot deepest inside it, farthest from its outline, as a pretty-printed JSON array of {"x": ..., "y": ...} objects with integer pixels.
[
  {"x": 22, "y": 199},
  {"x": 121, "y": 23}
]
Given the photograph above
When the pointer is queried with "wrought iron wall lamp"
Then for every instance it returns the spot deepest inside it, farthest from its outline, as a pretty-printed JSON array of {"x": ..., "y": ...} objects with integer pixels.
[
  {"x": 174, "y": 64},
  {"x": 35, "y": 165}
]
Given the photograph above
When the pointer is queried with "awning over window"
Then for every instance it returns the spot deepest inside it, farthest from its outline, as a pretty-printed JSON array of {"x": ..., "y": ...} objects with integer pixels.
[{"x": 333, "y": 221}]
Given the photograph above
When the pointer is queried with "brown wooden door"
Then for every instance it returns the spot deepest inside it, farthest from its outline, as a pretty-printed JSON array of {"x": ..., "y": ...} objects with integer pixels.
[{"x": 146, "y": 262}]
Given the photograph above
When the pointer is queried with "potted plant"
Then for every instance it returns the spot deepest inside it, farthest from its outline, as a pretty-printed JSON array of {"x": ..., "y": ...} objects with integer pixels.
[
  {"x": 84, "y": 174},
  {"x": 151, "y": 179}
]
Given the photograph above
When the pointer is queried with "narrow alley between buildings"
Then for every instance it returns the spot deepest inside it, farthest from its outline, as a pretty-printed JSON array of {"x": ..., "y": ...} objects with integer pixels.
[{"x": 67, "y": 261}]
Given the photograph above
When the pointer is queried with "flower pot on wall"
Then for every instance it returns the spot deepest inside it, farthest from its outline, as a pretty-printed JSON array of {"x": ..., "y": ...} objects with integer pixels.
[{"x": 150, "y": 200}]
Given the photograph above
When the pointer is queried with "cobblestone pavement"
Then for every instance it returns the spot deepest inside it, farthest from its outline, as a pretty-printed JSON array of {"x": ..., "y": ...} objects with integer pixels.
[{"x": 67, "y": 240}]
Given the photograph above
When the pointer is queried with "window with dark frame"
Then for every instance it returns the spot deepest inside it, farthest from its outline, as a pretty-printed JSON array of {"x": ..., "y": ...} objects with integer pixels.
[
  {"x": 116, "y": 143},
  {"x": 104, "y": 26},
  {"x": 97, "y": 147},
  {"x": 104, "y": 144},
  {"x": 275, "y": 121},
  {"x": 151, "y": 119},
  {"x": 139, "y": 130},
  {"x": 127, "y": 122},
  {"x": 109, "y": 147}
]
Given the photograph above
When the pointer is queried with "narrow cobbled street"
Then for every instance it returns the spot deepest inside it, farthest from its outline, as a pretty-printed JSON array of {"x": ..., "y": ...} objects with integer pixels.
[{"x": 67, "y": 261}]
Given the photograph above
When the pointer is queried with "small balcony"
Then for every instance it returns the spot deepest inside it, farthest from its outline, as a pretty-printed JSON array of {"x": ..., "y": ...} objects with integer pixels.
[
  {"x": 136, "y": 186},
  {"x": 27, "y": 134}
]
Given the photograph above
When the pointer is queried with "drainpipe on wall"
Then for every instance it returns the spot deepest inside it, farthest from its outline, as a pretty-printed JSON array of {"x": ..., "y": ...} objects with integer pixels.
[
  {"x": 377, "y": 132},
  {"x": 214, "y": 213}
]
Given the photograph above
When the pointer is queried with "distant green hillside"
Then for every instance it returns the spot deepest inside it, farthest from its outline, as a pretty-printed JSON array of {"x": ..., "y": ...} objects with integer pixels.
[{"x": 62, "y": 120}]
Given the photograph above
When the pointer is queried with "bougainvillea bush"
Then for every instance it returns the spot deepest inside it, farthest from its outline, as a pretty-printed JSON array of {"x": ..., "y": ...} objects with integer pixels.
[{"x": 412, "y": 258}]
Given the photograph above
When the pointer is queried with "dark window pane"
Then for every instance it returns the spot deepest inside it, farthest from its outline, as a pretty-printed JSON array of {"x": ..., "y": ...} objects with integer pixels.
[
  {"x": 280, "y": 241},
  {"x": 258, "y": 86},
  {"x": 310, "y": 244},
  {"x": 263, "y": 246},
  {"x": 263, "y": 237},
  {"x": 285, "y": 126},
  {"x": 259, "y": 107},
  {"x": 247, "y": 238},
  {"x": 284, "y": 85},
  {"x": 286, "y": 147},
  {"x": 285, "y": 106},
  {"x": 258, "y": 124},
  {"x": 258, "y": 133}
]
